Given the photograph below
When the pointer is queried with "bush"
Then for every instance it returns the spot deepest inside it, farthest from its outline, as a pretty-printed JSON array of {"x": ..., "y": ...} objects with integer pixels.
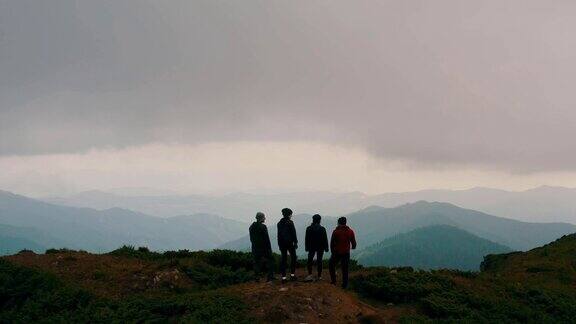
[
  {"x": 437, "y": 295},
  {"x": 55, "y": 251},
  {"x": 29, "y": 296},
  {"x": 210, "y": 277},
  {"x": 404, "y": 286}
]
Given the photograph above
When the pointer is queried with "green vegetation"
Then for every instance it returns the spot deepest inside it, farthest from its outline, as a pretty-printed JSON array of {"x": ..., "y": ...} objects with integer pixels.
[
  {"x": 28, "y": 296},
  {"x": 533, "y": 287},
  {"x": 208, "y": 270},
  {"x": 431, "y": 247}
]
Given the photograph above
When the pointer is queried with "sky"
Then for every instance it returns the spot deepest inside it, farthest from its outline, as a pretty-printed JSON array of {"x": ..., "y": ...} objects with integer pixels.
[{"x": 210, "y": 96}]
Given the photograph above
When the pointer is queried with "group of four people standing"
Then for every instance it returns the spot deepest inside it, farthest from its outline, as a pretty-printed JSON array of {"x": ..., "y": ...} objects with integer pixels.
[{"x": 316, "y": 243}]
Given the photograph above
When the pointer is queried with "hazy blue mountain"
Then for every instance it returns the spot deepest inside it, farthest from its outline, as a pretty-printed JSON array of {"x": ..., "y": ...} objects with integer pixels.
[
  {"x": 239, "y": 206},
  {"x": 378, "y": 223},
  {"x": 542, "y": 204},
  {"x": 374, "y": 224},
  {"x": 14, "y": 239},
  {"x": 432, "y": 247},
  {"x": 94, "y": 230}
]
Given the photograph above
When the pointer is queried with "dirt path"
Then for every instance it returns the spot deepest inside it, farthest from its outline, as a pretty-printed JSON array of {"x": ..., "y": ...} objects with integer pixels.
[{"x": 310, "y": 302}]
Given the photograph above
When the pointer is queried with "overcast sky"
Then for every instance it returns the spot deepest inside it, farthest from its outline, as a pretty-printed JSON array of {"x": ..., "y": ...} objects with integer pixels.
[{"x": 286, "y": 95}]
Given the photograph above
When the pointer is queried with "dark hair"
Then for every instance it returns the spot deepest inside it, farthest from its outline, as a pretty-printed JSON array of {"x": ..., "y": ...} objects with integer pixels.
[
  {"x": 342, "y": 221},
  {"x": 286, "y": 212},
  {"x": 316, "y": 219}
]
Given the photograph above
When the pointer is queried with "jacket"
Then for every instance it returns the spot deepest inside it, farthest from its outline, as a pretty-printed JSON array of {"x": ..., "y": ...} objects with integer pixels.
[
  {"x": 286, "y": 233},
  {"x": 316, "y": 238},
  {"x": 342, "y": 238},
  {"x": 260, "y": 240}
]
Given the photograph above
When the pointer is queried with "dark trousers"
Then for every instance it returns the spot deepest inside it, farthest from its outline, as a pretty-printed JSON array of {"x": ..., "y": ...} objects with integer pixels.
[
  {"x": 344, "y": 259},
  {"x": 284, "y": 250},
  {"x": 264, "y": 264},
  {"x": 319, "y": 255}
]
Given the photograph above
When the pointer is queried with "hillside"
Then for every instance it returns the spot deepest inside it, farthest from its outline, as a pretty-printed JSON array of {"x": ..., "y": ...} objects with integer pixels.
[
  {"x": 432, "y": 247},
  {"x": 98, "y": 231},
  {"x": 553, "y": 263},
  {"x": 130, "y": 285},
  {"x": 136, "y": 285}
]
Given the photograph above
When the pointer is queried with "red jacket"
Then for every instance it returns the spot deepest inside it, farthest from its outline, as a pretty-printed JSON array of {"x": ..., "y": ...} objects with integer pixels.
[{"x": 342, "y": 238}]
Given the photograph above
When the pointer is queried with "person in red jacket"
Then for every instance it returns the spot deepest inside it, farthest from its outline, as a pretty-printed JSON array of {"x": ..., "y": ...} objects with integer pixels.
[{"x": 342, "y": 239}]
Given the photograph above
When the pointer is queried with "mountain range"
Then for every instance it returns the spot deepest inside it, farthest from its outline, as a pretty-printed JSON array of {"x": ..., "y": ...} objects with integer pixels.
[
  {"x": 375, "y": 224},
  {"x": 542, "y": 204},
  {"x": 37, "y": 225},
  {"x": 49, "y": 225}
]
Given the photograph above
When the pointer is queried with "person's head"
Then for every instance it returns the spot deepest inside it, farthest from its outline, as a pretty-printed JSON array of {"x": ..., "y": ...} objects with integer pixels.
[
  {"x": 316, "y": 219},
  {"x": 287, "y": 212},
  {"x": 260, "y": 217},
  {"x": 342, "y": 221}
]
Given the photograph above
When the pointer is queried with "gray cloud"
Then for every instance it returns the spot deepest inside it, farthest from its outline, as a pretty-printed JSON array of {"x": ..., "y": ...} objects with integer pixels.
[{"x": 434, "y": 82}]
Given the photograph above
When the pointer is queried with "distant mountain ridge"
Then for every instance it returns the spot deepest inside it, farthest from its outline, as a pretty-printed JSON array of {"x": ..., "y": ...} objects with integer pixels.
[
  {"x": 374, "y": 224},
  {"x": 102, "y": 231},
  {"x": 542, "y": 204},
  {"x": 431, "y": 247},
  {"x": 378, "y": 223}
]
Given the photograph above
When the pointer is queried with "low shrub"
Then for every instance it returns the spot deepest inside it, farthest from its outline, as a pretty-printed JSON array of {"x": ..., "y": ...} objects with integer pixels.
[{"x": 30, "y": 296}]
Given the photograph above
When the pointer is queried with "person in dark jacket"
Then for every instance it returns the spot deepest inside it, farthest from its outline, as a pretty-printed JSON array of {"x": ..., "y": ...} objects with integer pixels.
[
  {"x": 342, "y": 239},
  {"x": 288, "y": 243},
  {"x": 316, "y": 243},
  {"x": 261, "y": 248}
]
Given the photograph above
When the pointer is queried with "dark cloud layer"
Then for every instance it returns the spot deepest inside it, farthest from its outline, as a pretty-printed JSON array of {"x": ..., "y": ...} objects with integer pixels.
[{"x": 435, "y": 82}]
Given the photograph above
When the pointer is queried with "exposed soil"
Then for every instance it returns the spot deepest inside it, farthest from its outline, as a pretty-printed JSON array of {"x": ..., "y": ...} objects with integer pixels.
[
  {"x": 105, "y": 275},
  {"x": 312, "y": 302}
]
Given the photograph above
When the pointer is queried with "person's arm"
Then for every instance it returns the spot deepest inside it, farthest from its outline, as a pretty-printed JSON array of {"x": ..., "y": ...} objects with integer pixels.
[
  {"x": 293, "y": 230},
  {"x": 307, "y": 240},
  {"x": 332, "y": 242},
  {"x": 267, "y": 239},
  {"x": 324, "y": 240},
  {"x": 353, "y": 239},
  {"x": 251, "y": 231},
  {"x": 278, "y": 226}
]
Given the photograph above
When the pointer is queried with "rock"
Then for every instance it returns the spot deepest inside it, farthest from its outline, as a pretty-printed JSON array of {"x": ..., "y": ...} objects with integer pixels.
[
  {"x": 393, "y": 271},
  {"x": 283, "y": 289}
]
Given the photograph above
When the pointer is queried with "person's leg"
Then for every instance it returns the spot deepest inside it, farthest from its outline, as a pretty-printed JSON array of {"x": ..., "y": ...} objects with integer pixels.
[
  {"x": 345, "y": 266},
  {"x": 257, "y": 266},
  {"x": 283, "y": 261},
  {"x": 332, "y": 267},
  {"x": 319, "y": 259},
  {"x": 310, "y": 262},
  {"x": 270, "y": 267},
  {"x": 293, "y": 260}
]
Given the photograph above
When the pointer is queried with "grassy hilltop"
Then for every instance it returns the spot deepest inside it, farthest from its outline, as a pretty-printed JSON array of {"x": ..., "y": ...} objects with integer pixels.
[{"x": 136, "y": 285}]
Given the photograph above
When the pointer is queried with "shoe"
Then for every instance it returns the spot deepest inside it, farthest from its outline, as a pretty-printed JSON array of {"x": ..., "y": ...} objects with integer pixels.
[
  {"x": 309, "y": 278},
  {"x": 284, "y": 280},
  {"x": 292, "y": 277}
]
